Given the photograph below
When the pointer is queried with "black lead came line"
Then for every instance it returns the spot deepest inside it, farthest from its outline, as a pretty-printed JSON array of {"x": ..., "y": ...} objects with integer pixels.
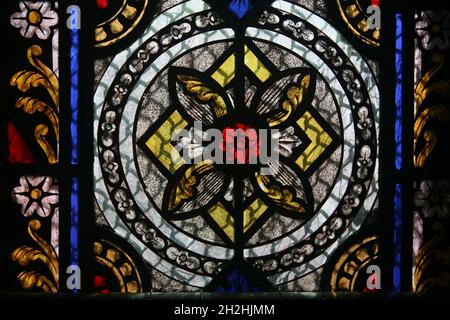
[{"x": 239, "y": 94}]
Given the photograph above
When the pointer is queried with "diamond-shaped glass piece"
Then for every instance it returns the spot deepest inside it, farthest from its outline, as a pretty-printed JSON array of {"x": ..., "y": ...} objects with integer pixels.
[{"x": 240, "y": 7}]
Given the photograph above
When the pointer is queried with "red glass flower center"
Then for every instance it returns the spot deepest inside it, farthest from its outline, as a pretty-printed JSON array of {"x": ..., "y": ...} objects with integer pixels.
[{"x": 240, "y": 143}]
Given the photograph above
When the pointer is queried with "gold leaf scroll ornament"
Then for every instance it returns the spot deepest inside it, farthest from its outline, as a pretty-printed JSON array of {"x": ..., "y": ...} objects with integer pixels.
[
  {"x": 45, "y": 253},
  {"x": 204, "y": 94},
  {"x": 439, "y": 112},
  {"x": 44, "y": 77}
]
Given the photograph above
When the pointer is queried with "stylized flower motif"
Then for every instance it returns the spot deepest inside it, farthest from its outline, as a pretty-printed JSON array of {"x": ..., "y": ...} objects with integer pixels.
[
  {"x": 329, "y": 231},
  {"x": 110, "y": 166},
  {"x": 351, "y": 200},
  {"x": 434, "y": 30},
  {"x": 239, "y": 141},
  {"x": 183, "y": 258},
  {"x": 276, "y": 116},
  {"x": 149, "y": 235},
  {"x": 433, "y": 198},
  {"x": 125, "y": 204},
  {"x": 109, "y": 126},
  {"x": 353, "y": 85},
  {"x": 298, "y": 30},
  {"x": 364, "y": 162},
  {"x": 330, "y": 53},
  {"x": 176, "y": 33},
  {"x": 266, "y": 265},
  {"x": 297, "y": 255},
  {"x": 120, "y": 90},
  {"x": 143, "y": 56},
  {"x": 34, "y": 18},
  {"x": 210, "y": 19},
  {"x": 268, "y": 17},
  {"x": 36, "y": 194},
  {"x": 153, "y": 239},
  {"x": 364, "y": 123}
]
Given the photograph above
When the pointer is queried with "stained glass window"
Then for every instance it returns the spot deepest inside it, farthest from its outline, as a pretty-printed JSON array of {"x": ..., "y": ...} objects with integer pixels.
[{"x": 224, "y": 147}]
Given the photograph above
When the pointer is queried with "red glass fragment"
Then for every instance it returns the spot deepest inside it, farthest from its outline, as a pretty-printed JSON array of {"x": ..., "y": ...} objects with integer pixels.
[{"x": 18, "y": 150}]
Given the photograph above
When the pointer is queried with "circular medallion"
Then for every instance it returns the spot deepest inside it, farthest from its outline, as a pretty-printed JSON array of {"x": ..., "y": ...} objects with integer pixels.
[{"x": 304, "y": 178}]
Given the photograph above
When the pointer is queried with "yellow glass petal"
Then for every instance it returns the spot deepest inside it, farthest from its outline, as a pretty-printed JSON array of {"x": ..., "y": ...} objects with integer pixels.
[
  {"x": 256, "y": 66},
  {"x": 225, "y": 73},
  {"x": 320, "y": 140},
  {"x": 253, "y": 213},
  {"x": 159, "y": 143},
  {"x": 223, "y": 219}
]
